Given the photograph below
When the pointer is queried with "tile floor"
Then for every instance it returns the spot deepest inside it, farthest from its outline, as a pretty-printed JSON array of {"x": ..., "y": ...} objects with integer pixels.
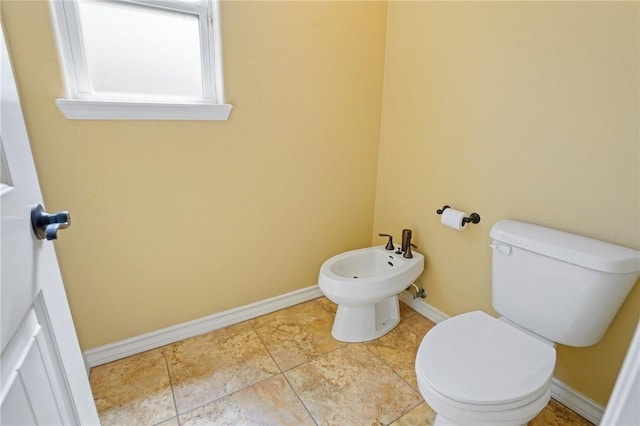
[{"x": 283, "y": 368}]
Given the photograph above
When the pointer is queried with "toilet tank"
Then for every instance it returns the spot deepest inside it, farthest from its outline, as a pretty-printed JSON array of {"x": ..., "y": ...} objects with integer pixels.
[{"x": 564, "y": 287}]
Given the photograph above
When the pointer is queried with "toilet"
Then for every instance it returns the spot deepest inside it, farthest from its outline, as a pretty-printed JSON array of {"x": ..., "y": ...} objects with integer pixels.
[{"x": 550, "y": 287}]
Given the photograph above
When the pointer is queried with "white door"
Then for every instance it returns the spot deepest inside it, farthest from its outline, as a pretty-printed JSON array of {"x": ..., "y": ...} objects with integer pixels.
[{"x": 43, "y": 380}]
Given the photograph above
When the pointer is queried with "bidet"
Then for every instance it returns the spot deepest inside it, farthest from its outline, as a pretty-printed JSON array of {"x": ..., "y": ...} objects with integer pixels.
[{"x": 365, "y": 284}]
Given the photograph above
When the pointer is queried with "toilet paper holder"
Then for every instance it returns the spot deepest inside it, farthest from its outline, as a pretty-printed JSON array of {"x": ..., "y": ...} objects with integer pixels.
[{"x": 473, "y": 217}]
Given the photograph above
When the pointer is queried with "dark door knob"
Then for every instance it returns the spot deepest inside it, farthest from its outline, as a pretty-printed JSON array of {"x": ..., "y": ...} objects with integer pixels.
[{"x": 46, "y": 225}]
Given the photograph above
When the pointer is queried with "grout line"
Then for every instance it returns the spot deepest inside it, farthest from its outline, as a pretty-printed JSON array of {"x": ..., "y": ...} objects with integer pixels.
[
  {"x": 368, "y": 346},
  {"x": 395, "y": 372},
  {"x": 164, "y": 350},
  {"x": 264, "y": 345},
  {"x": 197, "y": 407},
  {"x": 408, "y": 411},
  {"x": 282, "y": 371},
  {"x": 300, "y": 399},
  {"x": 317, "y": 300},
  {"x": 237, "y": 390}
]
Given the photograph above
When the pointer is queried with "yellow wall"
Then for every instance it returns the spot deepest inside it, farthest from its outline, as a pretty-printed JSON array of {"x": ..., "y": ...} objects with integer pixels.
[
  {"x": 528, "y": 111},
  {"x": 515, "y": 110},
  {"x": 174, "y": 221}
]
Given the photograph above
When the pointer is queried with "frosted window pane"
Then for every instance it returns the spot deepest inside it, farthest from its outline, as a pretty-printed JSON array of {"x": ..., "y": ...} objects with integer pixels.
[{"x": 141, "y": 50}]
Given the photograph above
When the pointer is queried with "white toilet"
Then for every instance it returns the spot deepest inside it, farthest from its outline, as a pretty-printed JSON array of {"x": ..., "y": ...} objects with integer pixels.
[{"x": 550, "y": 286}]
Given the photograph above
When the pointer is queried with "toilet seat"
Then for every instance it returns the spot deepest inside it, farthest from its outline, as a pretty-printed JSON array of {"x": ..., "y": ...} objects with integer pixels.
[{"x": 478, "y": 362}]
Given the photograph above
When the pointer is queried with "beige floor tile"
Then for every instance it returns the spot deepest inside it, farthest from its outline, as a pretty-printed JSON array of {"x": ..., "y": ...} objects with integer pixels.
[
  {"x": 422, "y": 415},
  {"x": 351, "y": 386},
  {"x": 271, "y": 402},
  {"x": 556, "y": 414},
  {"x": 207, "y": 367},
  {"x": 135, "y": 389},
  {"x": 169, "y": 422},
  {"x": 297, "y": 334},
  {"x": 406, "y": 311},
  {"x": 327, "y": 304},
  {"x": 398, "y": 348}
]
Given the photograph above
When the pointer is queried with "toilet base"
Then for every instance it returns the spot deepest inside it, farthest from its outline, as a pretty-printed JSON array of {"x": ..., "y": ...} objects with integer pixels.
[
  {"x": 368, "y": 322},
  {"x": 443, "y": 421}
]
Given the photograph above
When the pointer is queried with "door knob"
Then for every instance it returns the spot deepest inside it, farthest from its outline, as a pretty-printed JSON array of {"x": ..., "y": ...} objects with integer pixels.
[{"x": 46, "y": 225}]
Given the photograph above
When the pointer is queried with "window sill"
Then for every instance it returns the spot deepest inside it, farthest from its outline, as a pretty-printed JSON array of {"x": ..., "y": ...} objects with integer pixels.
[{"x": 76, "y": 109}]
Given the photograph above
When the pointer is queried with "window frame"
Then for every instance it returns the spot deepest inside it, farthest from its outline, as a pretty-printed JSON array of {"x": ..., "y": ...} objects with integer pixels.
[{"x": 81, "y": 102}]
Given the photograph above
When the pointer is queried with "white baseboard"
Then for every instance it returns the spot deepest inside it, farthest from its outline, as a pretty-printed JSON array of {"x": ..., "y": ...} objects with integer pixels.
[
  {"x": 562, "y": 393},
  {"x": 165, "y": 336},
  {"x": 581, "y": 404},
  {"x": 422, "y": 307}
]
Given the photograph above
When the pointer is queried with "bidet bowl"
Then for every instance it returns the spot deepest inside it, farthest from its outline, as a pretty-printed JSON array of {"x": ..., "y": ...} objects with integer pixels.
[{"x": 365, "y": 276}]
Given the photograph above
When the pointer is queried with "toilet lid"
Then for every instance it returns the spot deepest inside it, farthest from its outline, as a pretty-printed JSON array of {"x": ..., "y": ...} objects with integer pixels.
[{"x": 477, "y": 359}]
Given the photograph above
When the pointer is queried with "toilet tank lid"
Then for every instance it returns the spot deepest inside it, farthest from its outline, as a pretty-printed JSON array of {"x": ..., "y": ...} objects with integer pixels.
[{"x": 576, "y": 249}]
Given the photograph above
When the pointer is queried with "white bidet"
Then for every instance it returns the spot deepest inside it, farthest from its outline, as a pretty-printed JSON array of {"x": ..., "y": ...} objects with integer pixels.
[{"x": 365, "y": 284}]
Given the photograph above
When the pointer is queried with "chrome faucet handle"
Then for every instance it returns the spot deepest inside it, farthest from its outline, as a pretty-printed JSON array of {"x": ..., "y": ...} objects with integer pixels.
[{"x": 389, "y": 245}]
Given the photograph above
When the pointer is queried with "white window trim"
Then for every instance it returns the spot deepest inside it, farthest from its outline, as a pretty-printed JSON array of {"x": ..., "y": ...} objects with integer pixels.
[
  {"x": 79, "y": 109},
  {"x": 81, "y": 103}
]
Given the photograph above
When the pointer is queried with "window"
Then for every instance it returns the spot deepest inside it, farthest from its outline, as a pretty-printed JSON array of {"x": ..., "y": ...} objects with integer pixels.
[{"x": 141, "y": 59}]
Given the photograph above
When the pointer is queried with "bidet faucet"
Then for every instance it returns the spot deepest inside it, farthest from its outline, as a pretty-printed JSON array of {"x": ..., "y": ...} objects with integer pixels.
[
  {"x": 389, "y": 245},
  {"x": 406, "y": 244},
  {"x": 407, "y": 254},
  {"x": 406, "y": 239}
]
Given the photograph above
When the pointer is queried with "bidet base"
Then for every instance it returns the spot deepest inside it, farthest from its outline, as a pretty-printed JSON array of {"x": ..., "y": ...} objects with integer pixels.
[{"x": 363, "y": 323}]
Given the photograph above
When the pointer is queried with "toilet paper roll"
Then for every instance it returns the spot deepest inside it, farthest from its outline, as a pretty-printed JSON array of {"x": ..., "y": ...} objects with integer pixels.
[{"x": 453, "y": 219}]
